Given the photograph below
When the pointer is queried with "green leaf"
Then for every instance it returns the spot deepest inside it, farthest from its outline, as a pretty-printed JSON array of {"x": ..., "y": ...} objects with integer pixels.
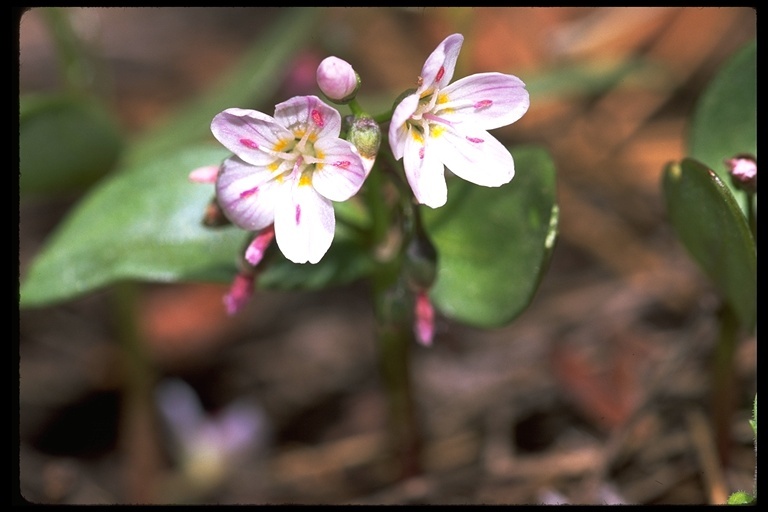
[
  {"x": 66, "y": 143},
  {"x": 494, "y": 244},
  {"x": 142, "y": 223},
  {"x": 725, "y": 119},
  {"x": 251, "y": 83},
  {"x": 710, "y": 224},
  {"x": 591, "y": 78}
]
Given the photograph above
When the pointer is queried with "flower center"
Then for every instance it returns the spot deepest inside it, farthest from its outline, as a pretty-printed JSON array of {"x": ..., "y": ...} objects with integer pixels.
[{"x": 427, "y": 112}]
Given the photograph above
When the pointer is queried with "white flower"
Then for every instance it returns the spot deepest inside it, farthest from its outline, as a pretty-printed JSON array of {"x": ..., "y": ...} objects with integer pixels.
[
  {"x": 445, "y": 125},
  {"x": 286, "y": 170}
]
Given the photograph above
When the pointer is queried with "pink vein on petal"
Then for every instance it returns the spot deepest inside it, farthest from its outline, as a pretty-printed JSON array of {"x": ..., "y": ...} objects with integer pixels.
[{"x": 249, "y": 143}]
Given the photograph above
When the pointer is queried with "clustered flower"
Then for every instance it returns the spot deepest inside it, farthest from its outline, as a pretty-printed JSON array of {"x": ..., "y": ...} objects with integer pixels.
[{"x": 287, "y": 169}]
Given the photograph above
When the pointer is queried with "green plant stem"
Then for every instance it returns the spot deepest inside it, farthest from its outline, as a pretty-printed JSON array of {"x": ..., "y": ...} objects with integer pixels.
[
  {"x": 139, "y": 443},
  {"x": 394, "y": 333},
  {"x": 724, "y": 389},
  {"x": 395, "y": 338},
  {"x": 355, "y": 107}
]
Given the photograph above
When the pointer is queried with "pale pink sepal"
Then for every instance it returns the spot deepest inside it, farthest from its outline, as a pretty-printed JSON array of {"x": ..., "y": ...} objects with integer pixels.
[{"x": 255, "y": 251}]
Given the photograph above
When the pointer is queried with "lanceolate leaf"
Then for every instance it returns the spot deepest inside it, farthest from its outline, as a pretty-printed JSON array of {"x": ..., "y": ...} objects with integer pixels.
[
  {"x": 725, "y": 120},
  {"x": 494, "y": 244},
  {"x": 142, "y": 223},
  {"x": 711, "y": 226}
]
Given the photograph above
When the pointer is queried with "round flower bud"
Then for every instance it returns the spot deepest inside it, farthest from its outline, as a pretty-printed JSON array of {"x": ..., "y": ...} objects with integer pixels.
[
  {"x": 365, "y": 135},
  {"x": 743, "y": 171},
  {"x": 337, "y": 79}
]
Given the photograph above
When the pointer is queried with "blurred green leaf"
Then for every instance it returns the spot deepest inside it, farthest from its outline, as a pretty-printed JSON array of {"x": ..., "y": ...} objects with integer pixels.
[
  {"x": 251, "y": 83},
  {"x": 711, "y": 226},
  {"x": 725, "y": 120},
  {"x": 494, "y": 244},
  {"x": 143, "y": 223},
  {"x": 66, "y": 143},
  {"x": 594, "y": 77}
]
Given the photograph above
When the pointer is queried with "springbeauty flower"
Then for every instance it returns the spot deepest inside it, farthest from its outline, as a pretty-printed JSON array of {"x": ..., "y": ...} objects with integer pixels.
[
  {"x": 445, "y": 124},
  {"x": 286, "y": 170}
]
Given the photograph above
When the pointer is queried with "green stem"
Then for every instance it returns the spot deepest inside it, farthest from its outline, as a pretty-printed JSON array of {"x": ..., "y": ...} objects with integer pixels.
[
  {"x": 724, "y": 385},
  {"x": 79, "y": 68},
  {"x": 394, "y": 333},
  {"x": 138, "y": 434},
  {"x": 355, "y": 107}
]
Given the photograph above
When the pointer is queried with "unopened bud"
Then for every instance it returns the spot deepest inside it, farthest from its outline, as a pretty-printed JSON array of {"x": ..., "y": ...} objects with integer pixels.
[
  {"x": 743, "y": 171},
  {"x": 337, "y": 79},
  {"x": 365, "y": 135},
  {"x": 256, "y": 249},
  {"x": 425, "y": 319},
  {"x": 240, "y": 292}
]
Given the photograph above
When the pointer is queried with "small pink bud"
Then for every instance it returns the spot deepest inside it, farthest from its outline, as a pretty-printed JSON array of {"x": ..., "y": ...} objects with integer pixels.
[
  {"x": 743, "y": 171},
  {"x": 337, "y": 79},
  {"x": 255, "y": 251},
  {"x": 239, "y": 293},
  {"x": 425, "y": 319}
]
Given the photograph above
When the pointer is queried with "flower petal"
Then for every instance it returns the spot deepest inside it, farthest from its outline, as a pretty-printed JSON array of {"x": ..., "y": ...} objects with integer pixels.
[
  {"x": 309, "y": 113},
  {"x": 342, "y": 172},
  {"x": 439, "y": 66},
  {"x": 398, "y": 132},
  {"x": 425, "y": 172},
  {"x": 249, "y": 134},
  {"x": 475, "y": 155},
  {"x": 490, "y": 100},
  {"x": 246, "y": 194},
  {"x": 304, "y": 223},
  {"x": 206, "y": 174}
]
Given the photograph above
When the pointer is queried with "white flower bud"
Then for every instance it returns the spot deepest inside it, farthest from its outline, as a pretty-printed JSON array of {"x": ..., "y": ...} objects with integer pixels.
[{"x": 337, "y": 79}]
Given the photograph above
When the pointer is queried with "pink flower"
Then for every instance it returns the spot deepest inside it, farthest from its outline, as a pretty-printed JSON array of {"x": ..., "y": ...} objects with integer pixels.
[
  {"x": 444, "y": 125},
  {"x": 286, "y": 170}
]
